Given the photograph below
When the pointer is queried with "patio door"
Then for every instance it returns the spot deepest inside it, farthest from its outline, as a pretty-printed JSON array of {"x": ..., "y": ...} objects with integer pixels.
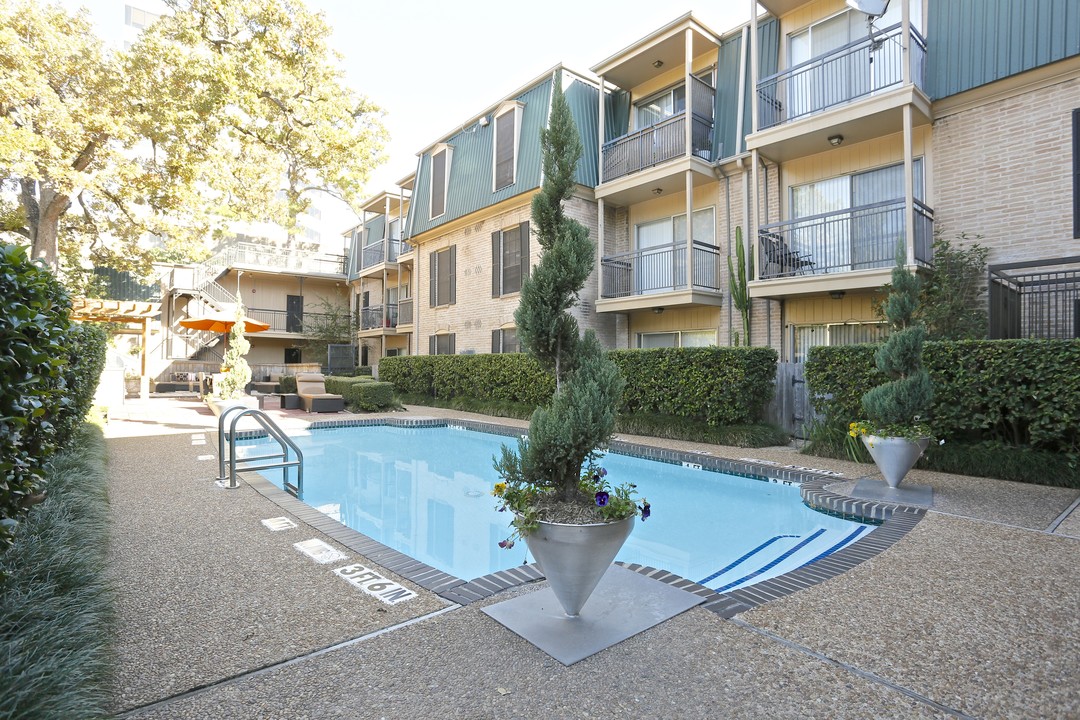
[
  {"x": 653, "y": 271},
  {"x": 294, "y": 313}
]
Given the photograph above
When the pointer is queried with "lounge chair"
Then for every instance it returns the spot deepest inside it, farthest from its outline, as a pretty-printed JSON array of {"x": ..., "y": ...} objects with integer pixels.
[{"x": 311, "y": 388}]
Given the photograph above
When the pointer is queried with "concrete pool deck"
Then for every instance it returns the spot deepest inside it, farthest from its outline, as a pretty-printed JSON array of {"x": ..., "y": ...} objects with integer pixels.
[{"x": 972, "y": 613}]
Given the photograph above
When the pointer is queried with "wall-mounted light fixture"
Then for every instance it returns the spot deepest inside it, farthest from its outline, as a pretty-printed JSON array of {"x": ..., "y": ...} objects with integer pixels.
[
  {"x": 658, "y": 310},
  {"x": 835, "y": 140},
  {"x": 483, "y": 121},
  {"x": 658, "y": 64},
  {"x": 657, "y": 191},
  {"x": 837, "y": 294}
]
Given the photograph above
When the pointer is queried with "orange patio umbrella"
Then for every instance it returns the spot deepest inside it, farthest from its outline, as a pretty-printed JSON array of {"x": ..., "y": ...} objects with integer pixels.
[{"x": 220, "y": 322}]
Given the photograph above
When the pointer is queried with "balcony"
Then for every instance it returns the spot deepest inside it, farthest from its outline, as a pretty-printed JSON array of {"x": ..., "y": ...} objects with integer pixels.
[
  {"x": 376, "y": 252},
  {"x": 666, "y": 140},
  {"x": 372, "y": 317},
  {"x": 792, "y": 256},
  {"x": 270, "y": 258},
  {"x": 656, "y": 276},
  {"x": 283, "y": 321},
  {"x": 405, "y": 312},
  {"x": 856, "y": 91}
]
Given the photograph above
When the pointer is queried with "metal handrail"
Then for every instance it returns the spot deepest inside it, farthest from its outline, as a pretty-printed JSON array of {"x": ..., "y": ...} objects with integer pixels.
[{"x": 284, "y": 441}]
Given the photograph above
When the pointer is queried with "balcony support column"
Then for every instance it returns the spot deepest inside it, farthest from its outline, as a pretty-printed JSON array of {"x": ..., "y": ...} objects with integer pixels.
[
  {"x": 909, "y": 185},
  {"x": 600, "y": 248},
  {"x": 755, "y": 76},
  {"x": 688, "y": 125},
  {"x": 689, "y": 230},
  {"x": 601, "y": 135},
  {"x": 905, "y": 42}
]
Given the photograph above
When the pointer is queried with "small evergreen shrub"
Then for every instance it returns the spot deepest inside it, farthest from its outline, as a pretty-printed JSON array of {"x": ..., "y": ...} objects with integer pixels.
[
  {"x": 287, "y": 384},
  {"x": 361, "y": 393}
]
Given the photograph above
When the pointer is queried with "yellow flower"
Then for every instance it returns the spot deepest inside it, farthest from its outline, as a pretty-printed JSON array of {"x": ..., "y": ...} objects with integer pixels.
[
  {"x": 500, "y": 488},
  {"x": 851, "y": 432},
  {"x": 852, "y": 426}
]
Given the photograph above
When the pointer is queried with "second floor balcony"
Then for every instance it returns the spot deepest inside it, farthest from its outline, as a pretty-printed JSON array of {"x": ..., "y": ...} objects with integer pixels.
[
  {"x": 860, "y": 69},
  {"x": 379, "y": 317},
  {"x": 661, "y": 269},
  {"x": 288, "y": 321},
  {"x": 867, "y": 237},
  {"x": 405, "y": 312}
]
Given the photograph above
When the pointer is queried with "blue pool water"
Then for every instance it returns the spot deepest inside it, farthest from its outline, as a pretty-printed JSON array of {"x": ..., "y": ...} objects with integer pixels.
[{"x": 427, "y": 493}]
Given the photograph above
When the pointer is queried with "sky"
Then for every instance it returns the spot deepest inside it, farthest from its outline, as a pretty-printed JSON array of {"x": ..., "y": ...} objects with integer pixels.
[{"x": 433, "y": 64}]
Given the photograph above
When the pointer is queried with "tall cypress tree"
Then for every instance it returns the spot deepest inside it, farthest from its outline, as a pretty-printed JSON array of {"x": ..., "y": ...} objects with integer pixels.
[{"x": 581, "y": 416}]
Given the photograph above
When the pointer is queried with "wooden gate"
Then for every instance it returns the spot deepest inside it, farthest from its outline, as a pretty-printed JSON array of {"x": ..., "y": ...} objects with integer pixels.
[{"x": 790, "y": 407}]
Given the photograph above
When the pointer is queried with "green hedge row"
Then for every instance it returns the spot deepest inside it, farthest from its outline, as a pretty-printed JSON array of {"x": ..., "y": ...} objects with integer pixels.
[
  {"x": 1024, "y": 393},
  {"x": 50, "y": 370},
  {"x": 362, "y": 392},
  {"x": 718, "y": 385}
]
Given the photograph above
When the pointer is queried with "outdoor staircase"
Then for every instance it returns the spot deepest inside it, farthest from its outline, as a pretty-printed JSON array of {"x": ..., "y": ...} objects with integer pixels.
[{"x": 202, "y": 287}]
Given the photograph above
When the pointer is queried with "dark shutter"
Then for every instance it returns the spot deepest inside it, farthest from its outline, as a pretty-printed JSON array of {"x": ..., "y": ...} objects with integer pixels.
[
  {"x": 431, "y": 345},
  {"x": 453, "y": 274},
  {"x": 504, "y": 150},
  {"x": 1076, "y": 173},
  {"x": 525, "y": 264},
  {"x": 438, "y": 184},
  {"x": 453, "y": 350},
  {"x": 496, "y": 338},
  {"x": 433, "y": 277},
  {"x": 496, "y": 263}
]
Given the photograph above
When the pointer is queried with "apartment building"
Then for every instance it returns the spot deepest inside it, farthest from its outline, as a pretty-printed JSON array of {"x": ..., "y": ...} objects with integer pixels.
[
  {"x": 381, "y": 274},
  {"x": 469, "y": 218}
]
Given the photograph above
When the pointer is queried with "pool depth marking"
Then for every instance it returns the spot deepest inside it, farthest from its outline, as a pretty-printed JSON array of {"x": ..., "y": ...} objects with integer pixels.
[
  {"x": 374, "y": 584},
  {"x": 319, "y": 551}
]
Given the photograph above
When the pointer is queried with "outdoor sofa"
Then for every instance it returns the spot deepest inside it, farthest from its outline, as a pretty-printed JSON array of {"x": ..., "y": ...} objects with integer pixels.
[{"x": 311, "y": 388}]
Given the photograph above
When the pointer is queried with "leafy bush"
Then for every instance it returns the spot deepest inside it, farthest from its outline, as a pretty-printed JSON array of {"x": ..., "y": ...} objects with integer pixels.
[
  {"x": 718, "y": 385},
  {"x": 511, "y": 377},
  {"x": 287, "y": 384},
  {"x": 1017, "y": 393},
  {"x": 86, "y": 360},
  {"x": 680, "y": 428},
  {"x": 55, "y": 608},
  {"x": 33, "y": 396},
  {"x": 362, "y": 393}
]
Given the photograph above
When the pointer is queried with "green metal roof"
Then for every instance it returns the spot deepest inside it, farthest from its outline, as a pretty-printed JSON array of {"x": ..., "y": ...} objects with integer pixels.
[
  {"x": 471, "y": 162},
  {"x": 975, "y": 42}
]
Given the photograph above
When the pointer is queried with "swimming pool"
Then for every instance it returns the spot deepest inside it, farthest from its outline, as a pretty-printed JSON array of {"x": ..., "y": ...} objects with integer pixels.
[{"x": 426, "y": 492}]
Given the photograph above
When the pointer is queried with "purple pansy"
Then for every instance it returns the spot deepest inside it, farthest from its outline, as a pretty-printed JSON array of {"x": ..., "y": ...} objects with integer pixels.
[
  {"x": 646, "y": 511},
  {"x": 602, "y": 498},
  {"x": 506, "y": 544}
]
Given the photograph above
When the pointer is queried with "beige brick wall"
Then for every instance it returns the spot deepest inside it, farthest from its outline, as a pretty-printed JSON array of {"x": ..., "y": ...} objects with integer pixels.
[
  {"x": 475, "y": 314},
  {"x": 1003, "y": 170}
]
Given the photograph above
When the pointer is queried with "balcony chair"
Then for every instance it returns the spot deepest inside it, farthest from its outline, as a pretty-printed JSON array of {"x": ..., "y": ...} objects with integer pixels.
[{"x": 311, "y": 388}]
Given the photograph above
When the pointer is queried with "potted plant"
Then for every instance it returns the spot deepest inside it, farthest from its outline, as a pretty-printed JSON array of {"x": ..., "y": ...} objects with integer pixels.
[
  {"x": 573, "y": 520},
  {"x": 895, "y": 430}
]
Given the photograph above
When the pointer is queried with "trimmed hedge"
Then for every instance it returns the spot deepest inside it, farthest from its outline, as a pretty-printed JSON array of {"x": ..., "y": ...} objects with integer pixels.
[
  {"x": 34, "y": 394},
  {"x": 1016, "y": 394},
  {"x": 1020, "y": 392},
  {"x": 86, "y": 360},
  {"x": 716, "y": 385},
  {"x": 362, "y": 393}
]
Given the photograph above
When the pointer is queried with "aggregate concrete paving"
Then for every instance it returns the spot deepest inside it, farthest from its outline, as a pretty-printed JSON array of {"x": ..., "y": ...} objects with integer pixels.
[{"x": 972, "y": 614}]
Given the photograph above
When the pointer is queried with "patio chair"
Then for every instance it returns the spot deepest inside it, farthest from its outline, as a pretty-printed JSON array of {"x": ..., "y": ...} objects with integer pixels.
[{"x": 311, "y": 387}]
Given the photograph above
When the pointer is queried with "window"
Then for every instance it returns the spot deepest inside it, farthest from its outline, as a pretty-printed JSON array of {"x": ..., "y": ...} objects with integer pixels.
[
  {"x": 441, "y": 344},
  {"x": 660, "y": 107},
  {"x": 292, "y": 356},
  {"x": 509, "y": 259},
  {"x": 440, "y": 177},
  {"x": 138, "y": 19},
  {"x": 679, "y": 338},
  {"x": 1076, "y": 172},
  {"x": 507, "y": 122},
  {"x": 443, "y": 284},
  {"x": 661, "y": 246},
  {"x": 505, "y": 341},
  {"x": 805, "y": 337}
]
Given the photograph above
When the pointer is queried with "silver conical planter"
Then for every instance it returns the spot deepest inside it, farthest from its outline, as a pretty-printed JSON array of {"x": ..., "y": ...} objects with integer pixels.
[
  {"x": 894, "y": 456},
  {"x": 575, "y": 557}
]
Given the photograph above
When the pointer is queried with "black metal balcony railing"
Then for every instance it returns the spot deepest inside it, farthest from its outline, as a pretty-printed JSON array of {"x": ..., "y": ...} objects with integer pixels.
[
  {"x": 859, "y": 238},
  {"x": 405, "y": 312},
  {"x": 666, "y": 140},
  {"x": 856, "y": 70},
  {"x": 375, "y": 253},
  {"x": 291, "y": 322},
  {"x": 372, "y": 317},
  {"x": 660, "y": 269}
]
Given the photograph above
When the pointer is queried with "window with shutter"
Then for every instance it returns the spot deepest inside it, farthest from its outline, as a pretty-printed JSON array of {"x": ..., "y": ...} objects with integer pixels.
[
  {"x": 509, "y": 259},
  {"x": 440, "y": 170},
  {"x": 442, "y": 287},
  {"x": 441, "y": 344},
  {"x": 504, "y": 150}
]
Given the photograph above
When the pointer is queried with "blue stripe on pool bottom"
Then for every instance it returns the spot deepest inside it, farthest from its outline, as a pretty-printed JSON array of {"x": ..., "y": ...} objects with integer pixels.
[
  {"x": 838, "y": 546},
  {"x": 810, "y": 538},
  {"x": 759, "y": 548}
]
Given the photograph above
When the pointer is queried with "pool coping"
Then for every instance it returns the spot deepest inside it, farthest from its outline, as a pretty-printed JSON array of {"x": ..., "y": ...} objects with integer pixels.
[{"x": 895, "y": 522}]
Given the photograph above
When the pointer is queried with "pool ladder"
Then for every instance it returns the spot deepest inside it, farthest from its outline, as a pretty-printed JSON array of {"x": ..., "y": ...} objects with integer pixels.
[{"x": 236, "y": 464}]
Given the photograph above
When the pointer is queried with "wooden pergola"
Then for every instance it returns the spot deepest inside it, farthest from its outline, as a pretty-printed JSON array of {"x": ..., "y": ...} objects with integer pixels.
[{"x": 120, "y": 311}]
